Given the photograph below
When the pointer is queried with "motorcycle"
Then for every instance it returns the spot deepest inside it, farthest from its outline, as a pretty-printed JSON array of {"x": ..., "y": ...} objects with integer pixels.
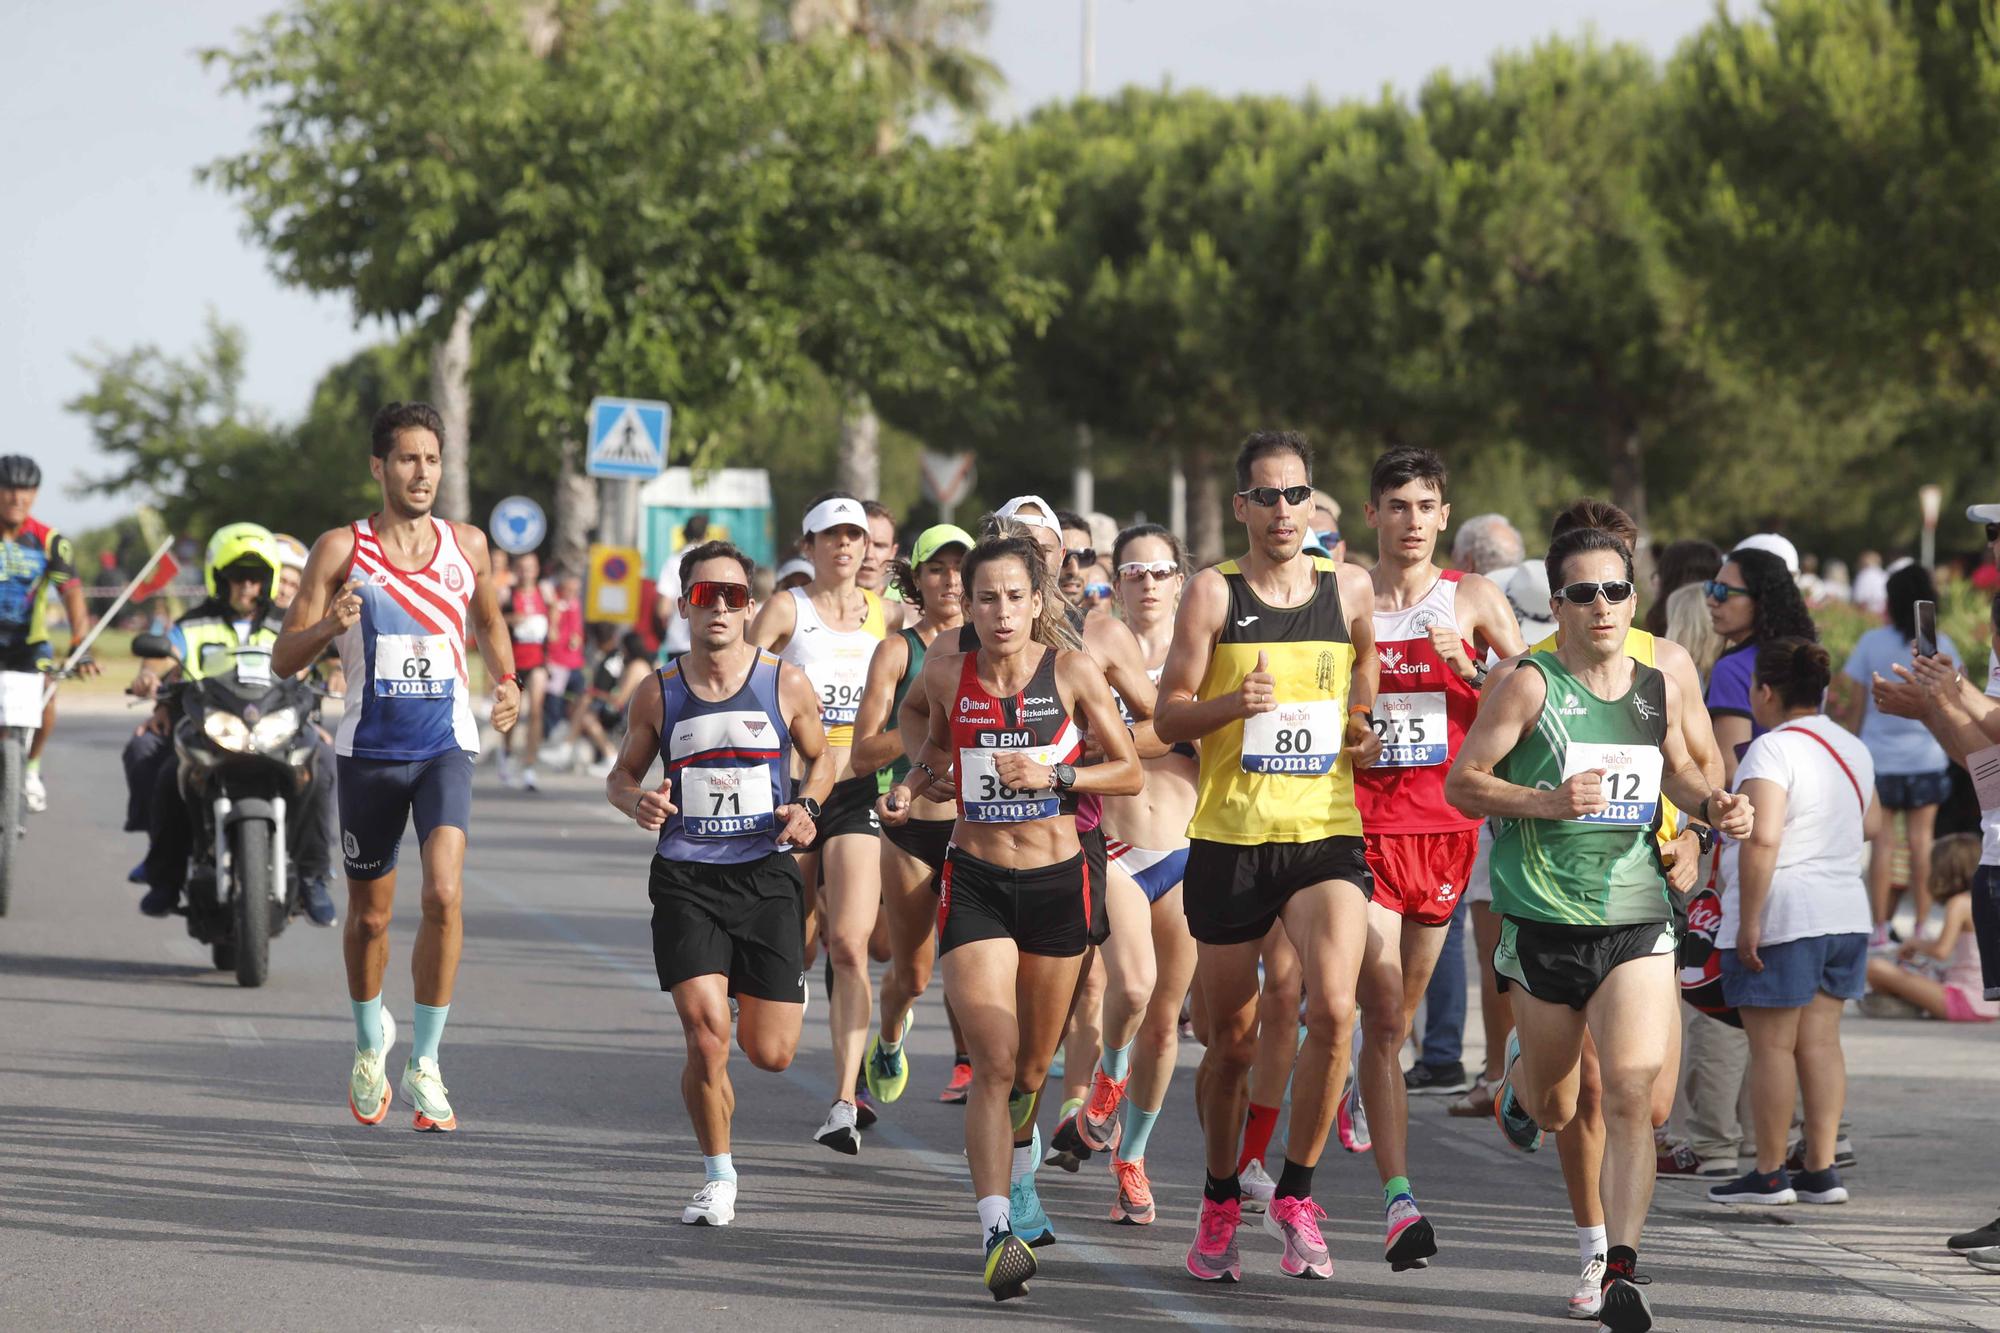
[
  {"x": 20, "y": 719},
  {"x": 244, "y": 749}
]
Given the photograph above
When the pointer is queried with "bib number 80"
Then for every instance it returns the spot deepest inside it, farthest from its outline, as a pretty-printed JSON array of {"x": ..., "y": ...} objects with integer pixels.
[{"x": 1296, "y": 740}]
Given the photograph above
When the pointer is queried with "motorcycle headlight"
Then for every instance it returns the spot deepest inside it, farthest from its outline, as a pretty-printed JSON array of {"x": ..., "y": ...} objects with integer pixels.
[
  {"x": 274, "y": 729},
  {"x": 227, "y": 730}
]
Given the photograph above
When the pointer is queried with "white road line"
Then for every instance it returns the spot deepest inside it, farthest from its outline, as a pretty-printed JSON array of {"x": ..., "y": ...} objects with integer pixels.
[
  {"x": 240, "y": 1032},
  {"x": 323, "y": 1155}
]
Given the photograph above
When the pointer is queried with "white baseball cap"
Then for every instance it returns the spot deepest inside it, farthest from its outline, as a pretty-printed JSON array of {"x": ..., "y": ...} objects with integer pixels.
[
  {"x": 796, "y": 565},
  {"x": 1984, "y": 513},
  {"x": 1772, "y": 543},
  {"x": 839, "y": 512},
  {"x": 1046, "y": 519}
]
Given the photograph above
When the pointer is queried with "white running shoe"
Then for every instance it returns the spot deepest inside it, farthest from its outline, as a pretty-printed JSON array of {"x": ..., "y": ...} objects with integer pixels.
[
  {"x": 1257, "y": 1186},
  {"x": 714, "y": 1205},
  {"x": 33, "y": 792},
  {"x": 840, "y": 1132},
  {"x": 423, "y": 1088},
  {"x": 368, "y": 1094},
  {"x": 530, "y": 781},
  {"x": 1589, "y": 1296}
]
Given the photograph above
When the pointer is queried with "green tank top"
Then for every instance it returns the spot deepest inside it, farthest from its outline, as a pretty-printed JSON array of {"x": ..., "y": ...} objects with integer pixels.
[
  {"x": 1602, "y": 870},
  {"x": 896, "y": 772}
]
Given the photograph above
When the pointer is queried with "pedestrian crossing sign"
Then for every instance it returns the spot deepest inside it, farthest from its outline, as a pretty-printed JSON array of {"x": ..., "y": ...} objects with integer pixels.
[{"x": 628, "y": 437}]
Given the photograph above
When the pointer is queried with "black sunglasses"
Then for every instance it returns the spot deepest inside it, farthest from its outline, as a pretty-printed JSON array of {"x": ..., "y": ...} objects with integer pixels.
[
  {"x": 1718, "y": 591},
  {"x": 1583, "y": 594},
  {"x": 734, "y": 596},
  {"x": 1992, "y": 533},
  {"x": 1267, "y": 496},
  {"x": 1083, "y": 555}
]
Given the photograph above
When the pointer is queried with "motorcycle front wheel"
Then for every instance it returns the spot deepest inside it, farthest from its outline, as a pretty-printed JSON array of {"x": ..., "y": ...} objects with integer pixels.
[{"x": 250, "y": 871}]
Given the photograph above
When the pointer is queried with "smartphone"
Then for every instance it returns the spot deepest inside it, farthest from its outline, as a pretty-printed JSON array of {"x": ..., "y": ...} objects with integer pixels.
[{"x": 1927, "y": 640}]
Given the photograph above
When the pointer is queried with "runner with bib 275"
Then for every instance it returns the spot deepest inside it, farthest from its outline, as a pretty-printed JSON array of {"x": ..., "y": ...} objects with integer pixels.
[{"x": 1573, "y": 751}]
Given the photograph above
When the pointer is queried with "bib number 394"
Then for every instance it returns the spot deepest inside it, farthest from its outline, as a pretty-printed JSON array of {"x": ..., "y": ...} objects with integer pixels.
[
  {"x": 1631, "y": 780},
  {"x": 726, "y": 802},
  {"x": 413, "y": 666},
  {"x": 1301, "y": 739},
  {"x": 839, "y": 686}
]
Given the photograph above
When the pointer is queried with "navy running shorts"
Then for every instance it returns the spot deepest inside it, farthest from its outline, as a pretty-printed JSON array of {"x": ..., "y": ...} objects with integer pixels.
[{"x": 379, "y": 796}]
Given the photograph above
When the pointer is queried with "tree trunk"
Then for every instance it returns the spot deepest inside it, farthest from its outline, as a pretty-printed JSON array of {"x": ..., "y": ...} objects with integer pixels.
[
  {"x": 1625, "y": 449},
  {"x": 576, "y": 512},
  {"x": 451, "y": 394},
  {"x": 1205, "y": 520},
  {"x": 860, "y": 467}
]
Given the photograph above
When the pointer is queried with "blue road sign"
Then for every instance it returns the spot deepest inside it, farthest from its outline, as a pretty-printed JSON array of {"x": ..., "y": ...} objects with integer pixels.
[
  {"x": 628, "y": 437},
  {"x": 518, "y": 525}
]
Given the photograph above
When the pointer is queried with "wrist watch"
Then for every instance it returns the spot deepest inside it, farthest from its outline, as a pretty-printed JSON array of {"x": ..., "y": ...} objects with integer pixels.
[
  {"x": 1705, "y": 837},
  {"x": 1065, "y": 777},
  {"x": 811, "y": 807}
]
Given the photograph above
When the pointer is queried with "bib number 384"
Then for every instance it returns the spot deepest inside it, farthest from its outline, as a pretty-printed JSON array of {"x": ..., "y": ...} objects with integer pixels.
[
  {"x": 989, "y": 800},
  {"x": 1300, "y": 738},
  {"x": 1631, "y": 780},
  {"x": 413, "y": 666}
]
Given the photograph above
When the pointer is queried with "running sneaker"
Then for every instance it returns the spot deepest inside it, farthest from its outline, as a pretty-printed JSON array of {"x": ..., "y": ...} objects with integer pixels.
[
  {"x": 1986, "y": 1260},
  {"x": 865, "y": 1114},
  {"x": 1134, "y": 1204},
  {"x": 368, "y": 1086},
  {"x": 1296, "y": 1222},
  {"x": 840, "y": 1132},
  {"x": 1588, "y": 1298},
  {"x": 137, "y": 874},
  {"x": 1477, "y": 1103},
  {"x": 888, "y": 1075},
  {"x": 1257, "y": 1186},
  {"x": 1623, "y": 1308},
  {"x": 1819, "y": 1186},
  {"x": 714, "y": 1205},
  {"x": 1410, "y": 1240},
  {"x": 423, "y": 1088},
  {"x": 319, "y": 904},
  {"x": 956, "y": 1091},
  {"x": 1009, "y": 1265},
  {"x": 1513, "y": 1119},
  {"x": 1066, "y": 1146},
  {"x": 1024, "y": 1205},
  {"x": 1422, "y": 1080},
  {"x": 1351, "y": 1120},
  {"x": 1677, "y": 1159},
  {"x": 1213, "y": 1257},
  {"x": 1985, "y": 1238},
  {"x": 1097, "y": 1120},
  {"x": 1843, "y": 1158},
  {"x": 530, "y": 781},
  {"x": 1772, "y": 1190},
  {"x": 34, "y": 793}
]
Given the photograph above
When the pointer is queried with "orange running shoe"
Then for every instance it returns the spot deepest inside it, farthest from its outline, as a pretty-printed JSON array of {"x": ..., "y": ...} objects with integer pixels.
[{"x": 1134, "y": 1204}]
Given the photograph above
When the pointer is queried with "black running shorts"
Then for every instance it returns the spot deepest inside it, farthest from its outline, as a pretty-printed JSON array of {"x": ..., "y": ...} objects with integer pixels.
[
  {"x": 925, "y": 839},
  {"x": 1096, "y": 856},
  {"x": 1045, "y": 910},
  {"x": 1566, "y": 964},
  {"x": 745, "y": 922},
  {"x": 1233, "y": 893},
  {"x": 849, "y": 809}
]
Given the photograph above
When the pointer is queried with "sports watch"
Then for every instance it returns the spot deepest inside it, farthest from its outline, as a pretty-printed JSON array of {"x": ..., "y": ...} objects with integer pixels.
[
  {"x": 1065, "y": 776},
  {"x": 811, "y": 807}
]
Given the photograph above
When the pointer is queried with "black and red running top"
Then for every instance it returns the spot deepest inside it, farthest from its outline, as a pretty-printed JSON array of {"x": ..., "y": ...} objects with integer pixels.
[{"x": 1033, "y": 722}]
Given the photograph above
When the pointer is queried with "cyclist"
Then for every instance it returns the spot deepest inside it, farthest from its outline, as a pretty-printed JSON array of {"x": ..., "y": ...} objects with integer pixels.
[{"x": 34, "y": 560}]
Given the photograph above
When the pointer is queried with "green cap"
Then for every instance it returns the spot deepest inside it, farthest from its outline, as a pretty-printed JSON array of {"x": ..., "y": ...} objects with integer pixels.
[{"x": 932, "y": 540}]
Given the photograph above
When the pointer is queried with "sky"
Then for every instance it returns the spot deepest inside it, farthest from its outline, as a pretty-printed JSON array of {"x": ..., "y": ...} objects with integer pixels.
[{"x": 109, "y": 242}]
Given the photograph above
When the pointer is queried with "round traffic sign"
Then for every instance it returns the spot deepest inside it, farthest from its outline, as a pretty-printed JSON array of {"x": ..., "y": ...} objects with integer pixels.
[{"x": 518, "y": 525}]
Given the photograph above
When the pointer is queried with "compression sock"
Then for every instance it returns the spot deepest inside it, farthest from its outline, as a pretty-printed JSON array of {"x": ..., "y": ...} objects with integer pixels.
[
  {"x": 1222, "y": 1190},
  {"x": 1138, "y": 1128},
  {"x": 429, "y": 1027},
  {"x": 1589, "y": 1243},
  {"x": 1295, "y": 1181},
  {"x": 719, "y": 1167},
  {"x": 367, "y": 1024},
  {"x": 1116, "y": 1064},
  {"x": 1396, "y": 1185},
  {"x": 1257, "y": 1135},
  {"x": 1620, "y": 1261}
]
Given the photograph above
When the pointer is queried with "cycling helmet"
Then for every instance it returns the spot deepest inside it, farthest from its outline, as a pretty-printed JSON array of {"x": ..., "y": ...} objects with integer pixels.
[
  {"x": 241, "y": 544},
  {"x": 19, "y": 470},
  {"x": 291, "y": 551}
]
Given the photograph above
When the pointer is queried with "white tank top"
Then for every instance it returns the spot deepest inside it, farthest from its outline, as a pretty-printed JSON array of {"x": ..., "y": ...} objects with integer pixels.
[
  {"x": 836, "y": 661},
  {"x": 408, "y": 693}
]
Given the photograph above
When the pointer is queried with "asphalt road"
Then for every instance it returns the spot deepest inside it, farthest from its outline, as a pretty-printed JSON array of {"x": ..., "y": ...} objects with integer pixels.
[{"x": 177, "y": 1152}]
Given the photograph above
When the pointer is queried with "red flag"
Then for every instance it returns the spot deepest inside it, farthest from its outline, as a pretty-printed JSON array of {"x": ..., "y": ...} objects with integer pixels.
[{"x": 163, "y": 574}]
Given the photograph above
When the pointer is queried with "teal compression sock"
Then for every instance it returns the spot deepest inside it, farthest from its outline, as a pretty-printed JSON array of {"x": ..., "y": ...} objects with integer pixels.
[
  {"x": 429, "y": 1027},
  {"x": 1115, "y": 1064},
  {"x": 367, "y": 1024},
  {"x": 719, "y": 1167},
  {"x": 1138, "y": 1128}
]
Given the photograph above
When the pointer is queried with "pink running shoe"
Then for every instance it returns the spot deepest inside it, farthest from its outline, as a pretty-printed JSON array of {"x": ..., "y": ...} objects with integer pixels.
[
  {"x": 1097, "y": 1122},
  {"x": 1296, "y": 1222},
  {"x": 1213, "y": 1257}
]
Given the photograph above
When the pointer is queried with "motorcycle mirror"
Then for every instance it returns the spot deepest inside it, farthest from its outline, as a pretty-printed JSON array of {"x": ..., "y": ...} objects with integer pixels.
[{"x": 152, "y": 645}]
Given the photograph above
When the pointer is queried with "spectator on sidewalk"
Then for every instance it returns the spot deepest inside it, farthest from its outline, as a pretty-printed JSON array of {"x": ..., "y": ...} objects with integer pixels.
[
  {"x": 1681, "y": 564},
  {"x": 666, "y": 605},
  {"x": 1941, "y": 976},
  {"x": 1794, "y": 934}
]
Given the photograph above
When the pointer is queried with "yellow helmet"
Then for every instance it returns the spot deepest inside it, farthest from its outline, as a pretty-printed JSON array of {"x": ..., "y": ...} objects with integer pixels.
[{"x": 239, "y": 543}]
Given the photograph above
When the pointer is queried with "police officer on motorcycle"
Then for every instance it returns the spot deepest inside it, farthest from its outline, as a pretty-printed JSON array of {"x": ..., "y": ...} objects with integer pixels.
[{"x": 241, "y": 570}]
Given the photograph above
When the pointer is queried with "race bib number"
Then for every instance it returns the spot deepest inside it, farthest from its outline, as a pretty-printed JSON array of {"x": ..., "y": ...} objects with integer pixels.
[
  {"x": 1631, "y": 780},
  {"x": 1301, "y": 739},
  {"x": 413, "y": 666},
  {"x": 988, "y": 800},
  {"x": 839, "y": 684},
  {"x": 1412, "y": 728},
  {"x": 726, "y": 802}
]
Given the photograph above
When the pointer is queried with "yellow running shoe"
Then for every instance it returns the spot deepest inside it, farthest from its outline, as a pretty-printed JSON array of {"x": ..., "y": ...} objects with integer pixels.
[
  {"x": 368, "y": 1086},
  {"x": 425, "y": 1090},
  {"x": 888, "y": 1075},
  {"x": 1009, "y": 1265}
]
